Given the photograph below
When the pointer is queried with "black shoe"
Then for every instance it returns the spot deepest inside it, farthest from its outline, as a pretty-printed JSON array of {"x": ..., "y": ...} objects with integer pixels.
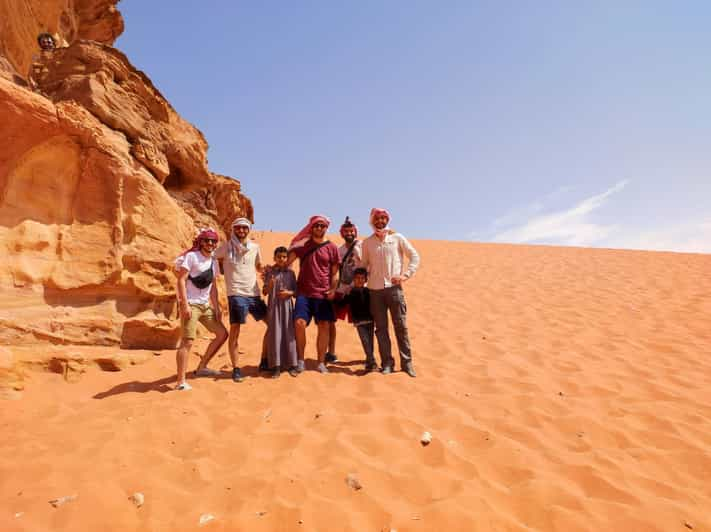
[
  {"x": 264, "y": 365},
  {"x": 331, "y": 358},
  {"x": 294, "y": 371},
  {"x": 237, "y": 375},
  {"x": 276, "y": 372},
  {"x": 409, "y": 370},
  {"x": 370, "y": 366},
  {"x": 387, "y": 370}
]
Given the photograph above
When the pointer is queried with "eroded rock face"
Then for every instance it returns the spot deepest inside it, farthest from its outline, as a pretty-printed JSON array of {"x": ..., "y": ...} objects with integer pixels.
[
  {"x": 22, "y": 20},
  {"x": 102, "y": 184}
]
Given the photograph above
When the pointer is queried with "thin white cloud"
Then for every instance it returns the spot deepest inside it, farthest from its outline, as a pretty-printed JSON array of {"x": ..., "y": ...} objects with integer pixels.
[
  {"x": 520, "y": 215},
  {"x": 571, "y": 227},
  {"x": 689, "y": 236}
]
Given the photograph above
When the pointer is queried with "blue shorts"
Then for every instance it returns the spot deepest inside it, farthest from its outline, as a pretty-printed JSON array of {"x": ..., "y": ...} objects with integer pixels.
[
  {"x": 240, "y": 306},
  {"x": 313, "y": 307}
]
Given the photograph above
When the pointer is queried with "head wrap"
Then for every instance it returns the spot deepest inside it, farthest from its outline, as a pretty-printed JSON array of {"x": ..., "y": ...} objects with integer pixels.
[
  {"x": 375, "y": 212},
  {"x": 235, "y": 246},
  {"x": 242, "y": 221},
  {"x": 304, "y": 235},
  {"x": 348, "y": 224},
  {"x": 206, "y": 233}
]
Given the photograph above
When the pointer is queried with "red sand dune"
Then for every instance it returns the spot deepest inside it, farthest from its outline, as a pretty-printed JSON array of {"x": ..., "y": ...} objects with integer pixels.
[{"x": 565, "y": 389}]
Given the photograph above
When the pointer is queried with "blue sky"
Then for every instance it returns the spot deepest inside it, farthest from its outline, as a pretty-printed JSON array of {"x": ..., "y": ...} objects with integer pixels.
[{"x": 541, "y": 122}]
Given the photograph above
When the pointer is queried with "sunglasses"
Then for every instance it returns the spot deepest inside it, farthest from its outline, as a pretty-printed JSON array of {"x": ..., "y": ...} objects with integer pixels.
[
  {"x": 320, "y": 226},
  {"x": 210, "y": 241}
]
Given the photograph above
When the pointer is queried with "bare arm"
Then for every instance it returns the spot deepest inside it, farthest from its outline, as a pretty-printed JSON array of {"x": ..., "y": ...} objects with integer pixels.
[
  {"x": 214, "y": 298},
  {"x": 291, "y": 258},
  {"x": 183, "y": 293},
  {"x": 334, "y": 282}
]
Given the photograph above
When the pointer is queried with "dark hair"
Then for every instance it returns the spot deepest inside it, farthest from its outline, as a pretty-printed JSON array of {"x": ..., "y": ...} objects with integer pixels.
[
  {"x": 360, "y": 271},
  {"x": 42, "y": 36},
  {"x": 280, "y": 249}
]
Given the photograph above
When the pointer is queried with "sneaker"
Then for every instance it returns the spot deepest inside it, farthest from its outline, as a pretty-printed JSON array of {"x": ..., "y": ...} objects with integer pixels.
[
  {"x": 263, "y": 365},
  {"x": 184, "y": 386},
  {"x": 293, "y": 371},
  {"x": 387, "y": 370},
  {"x": 331, "y": 357},
  {"x": 410, "y": 370},
  {"x": 207, "y": 372},
  {"x": 300, "y": 367},
  {"x": 237, "y": 375},
  {"x": 276, "y": 372},
  {"x": 370, "y": 366},
  {"x": 322, "y": 368}
]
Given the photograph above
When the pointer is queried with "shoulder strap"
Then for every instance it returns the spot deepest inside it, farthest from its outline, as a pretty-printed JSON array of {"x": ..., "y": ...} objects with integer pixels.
[
  {"x": 343, "y": 262},
  {"x": 315, "y": 248}
]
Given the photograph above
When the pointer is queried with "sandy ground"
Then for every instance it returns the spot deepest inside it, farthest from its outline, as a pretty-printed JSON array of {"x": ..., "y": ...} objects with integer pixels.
[{"x": 565, "y": 389}]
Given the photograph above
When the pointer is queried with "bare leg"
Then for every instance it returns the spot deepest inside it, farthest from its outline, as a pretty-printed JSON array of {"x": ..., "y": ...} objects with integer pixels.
[
  {"x": 220, "y": 338},
  {"x": 300, "y": 333},
  {"x": 322, "y": 339},
  {"x": 181, "y": 358},
  {"x": 265, "y": 340},
  {"x": 332, "y": 338},
  {"x": 233, "y": 345}
]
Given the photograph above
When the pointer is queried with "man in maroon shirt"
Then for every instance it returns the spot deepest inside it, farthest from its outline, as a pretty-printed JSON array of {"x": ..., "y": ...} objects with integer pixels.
[{"x": 316, "y": 286}]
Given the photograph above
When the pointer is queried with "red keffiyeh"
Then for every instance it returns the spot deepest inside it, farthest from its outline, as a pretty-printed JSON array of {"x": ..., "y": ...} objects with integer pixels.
[{"x": 305, "y": 234}]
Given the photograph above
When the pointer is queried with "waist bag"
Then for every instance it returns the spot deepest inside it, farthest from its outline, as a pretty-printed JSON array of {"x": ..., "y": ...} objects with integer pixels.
[{"x": 204, "y": 279}]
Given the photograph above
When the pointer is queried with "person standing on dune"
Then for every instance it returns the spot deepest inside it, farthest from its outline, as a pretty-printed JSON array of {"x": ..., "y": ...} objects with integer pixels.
[
  {"x": 383, "y": 256},
  {"x": 197, "y": 301},
  {"x": 349, "y": 254},
  {"x": 316, "y": 286},
  {"x": 240, "y": 260}
]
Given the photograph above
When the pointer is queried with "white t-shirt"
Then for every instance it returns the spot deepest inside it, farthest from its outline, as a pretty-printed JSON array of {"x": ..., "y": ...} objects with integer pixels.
[
  {"x": 196, "y": 263},
  {"x": 240, "y": 273}
]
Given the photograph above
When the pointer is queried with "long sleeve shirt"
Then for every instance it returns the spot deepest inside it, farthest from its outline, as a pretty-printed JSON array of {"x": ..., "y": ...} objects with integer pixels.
[{"x": 384, "y": 259}]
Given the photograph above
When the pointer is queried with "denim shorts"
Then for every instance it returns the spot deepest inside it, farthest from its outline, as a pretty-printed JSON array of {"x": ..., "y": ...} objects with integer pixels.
[
  {"x": 240, "y": 306},
  {"x": 313, "y": 307}
]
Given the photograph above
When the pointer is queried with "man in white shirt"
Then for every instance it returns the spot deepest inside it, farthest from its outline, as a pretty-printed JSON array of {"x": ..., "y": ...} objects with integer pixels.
[
  {"x": 197, "y": 300},
  {"x": 383, "y": 254},
  {"x": 241, "y": 260}
]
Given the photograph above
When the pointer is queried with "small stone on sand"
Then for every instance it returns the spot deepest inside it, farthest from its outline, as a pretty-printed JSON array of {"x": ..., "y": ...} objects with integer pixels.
[
  {"x": 206, "y": 518},
  {"x": 137, "y": 499},
  {"x": 353, "y": 482},
  {"x": 62, "y": 500},
  {"x": 426, "y": 438}
]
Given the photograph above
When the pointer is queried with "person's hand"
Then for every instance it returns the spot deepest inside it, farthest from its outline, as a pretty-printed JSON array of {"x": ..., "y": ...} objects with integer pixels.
[
  {"x": 284, "y": 294},
  {"x": 398, "y": 280},
  {"x": 331, "y": 294},
  {"x": 185, "y": 312}
]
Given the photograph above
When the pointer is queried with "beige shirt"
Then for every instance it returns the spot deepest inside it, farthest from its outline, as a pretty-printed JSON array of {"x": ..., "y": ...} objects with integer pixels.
[
  {"x": 241, "y": 273},
  {"x": 384, "y": 259}
]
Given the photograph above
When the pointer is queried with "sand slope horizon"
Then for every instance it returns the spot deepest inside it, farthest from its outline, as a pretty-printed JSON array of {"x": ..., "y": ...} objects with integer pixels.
[{"x": 565, "y": 389}]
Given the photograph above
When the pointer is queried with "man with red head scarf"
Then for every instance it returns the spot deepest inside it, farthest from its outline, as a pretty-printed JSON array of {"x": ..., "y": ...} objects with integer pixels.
[
  {"x": 316, "y": 286},
  {"x": 383, "y": 256},
  {"x": 197, "y": 301},
  {"x": 349, "y": 254}
]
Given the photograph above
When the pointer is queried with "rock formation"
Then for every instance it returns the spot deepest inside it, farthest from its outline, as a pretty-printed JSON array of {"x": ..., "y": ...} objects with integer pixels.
[{"x": 102, "y": 183}]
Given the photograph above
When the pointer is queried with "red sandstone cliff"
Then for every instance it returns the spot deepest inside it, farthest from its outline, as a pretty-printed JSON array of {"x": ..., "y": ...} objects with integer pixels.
[{"x": 102, "y": 183}]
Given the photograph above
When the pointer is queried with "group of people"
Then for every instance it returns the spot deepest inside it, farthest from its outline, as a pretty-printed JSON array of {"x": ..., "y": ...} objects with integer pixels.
[{"x": 361, "y": 281}]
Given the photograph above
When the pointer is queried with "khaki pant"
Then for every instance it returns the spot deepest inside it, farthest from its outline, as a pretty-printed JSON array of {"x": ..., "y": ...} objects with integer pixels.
[{"x": 199, "y": 313}]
